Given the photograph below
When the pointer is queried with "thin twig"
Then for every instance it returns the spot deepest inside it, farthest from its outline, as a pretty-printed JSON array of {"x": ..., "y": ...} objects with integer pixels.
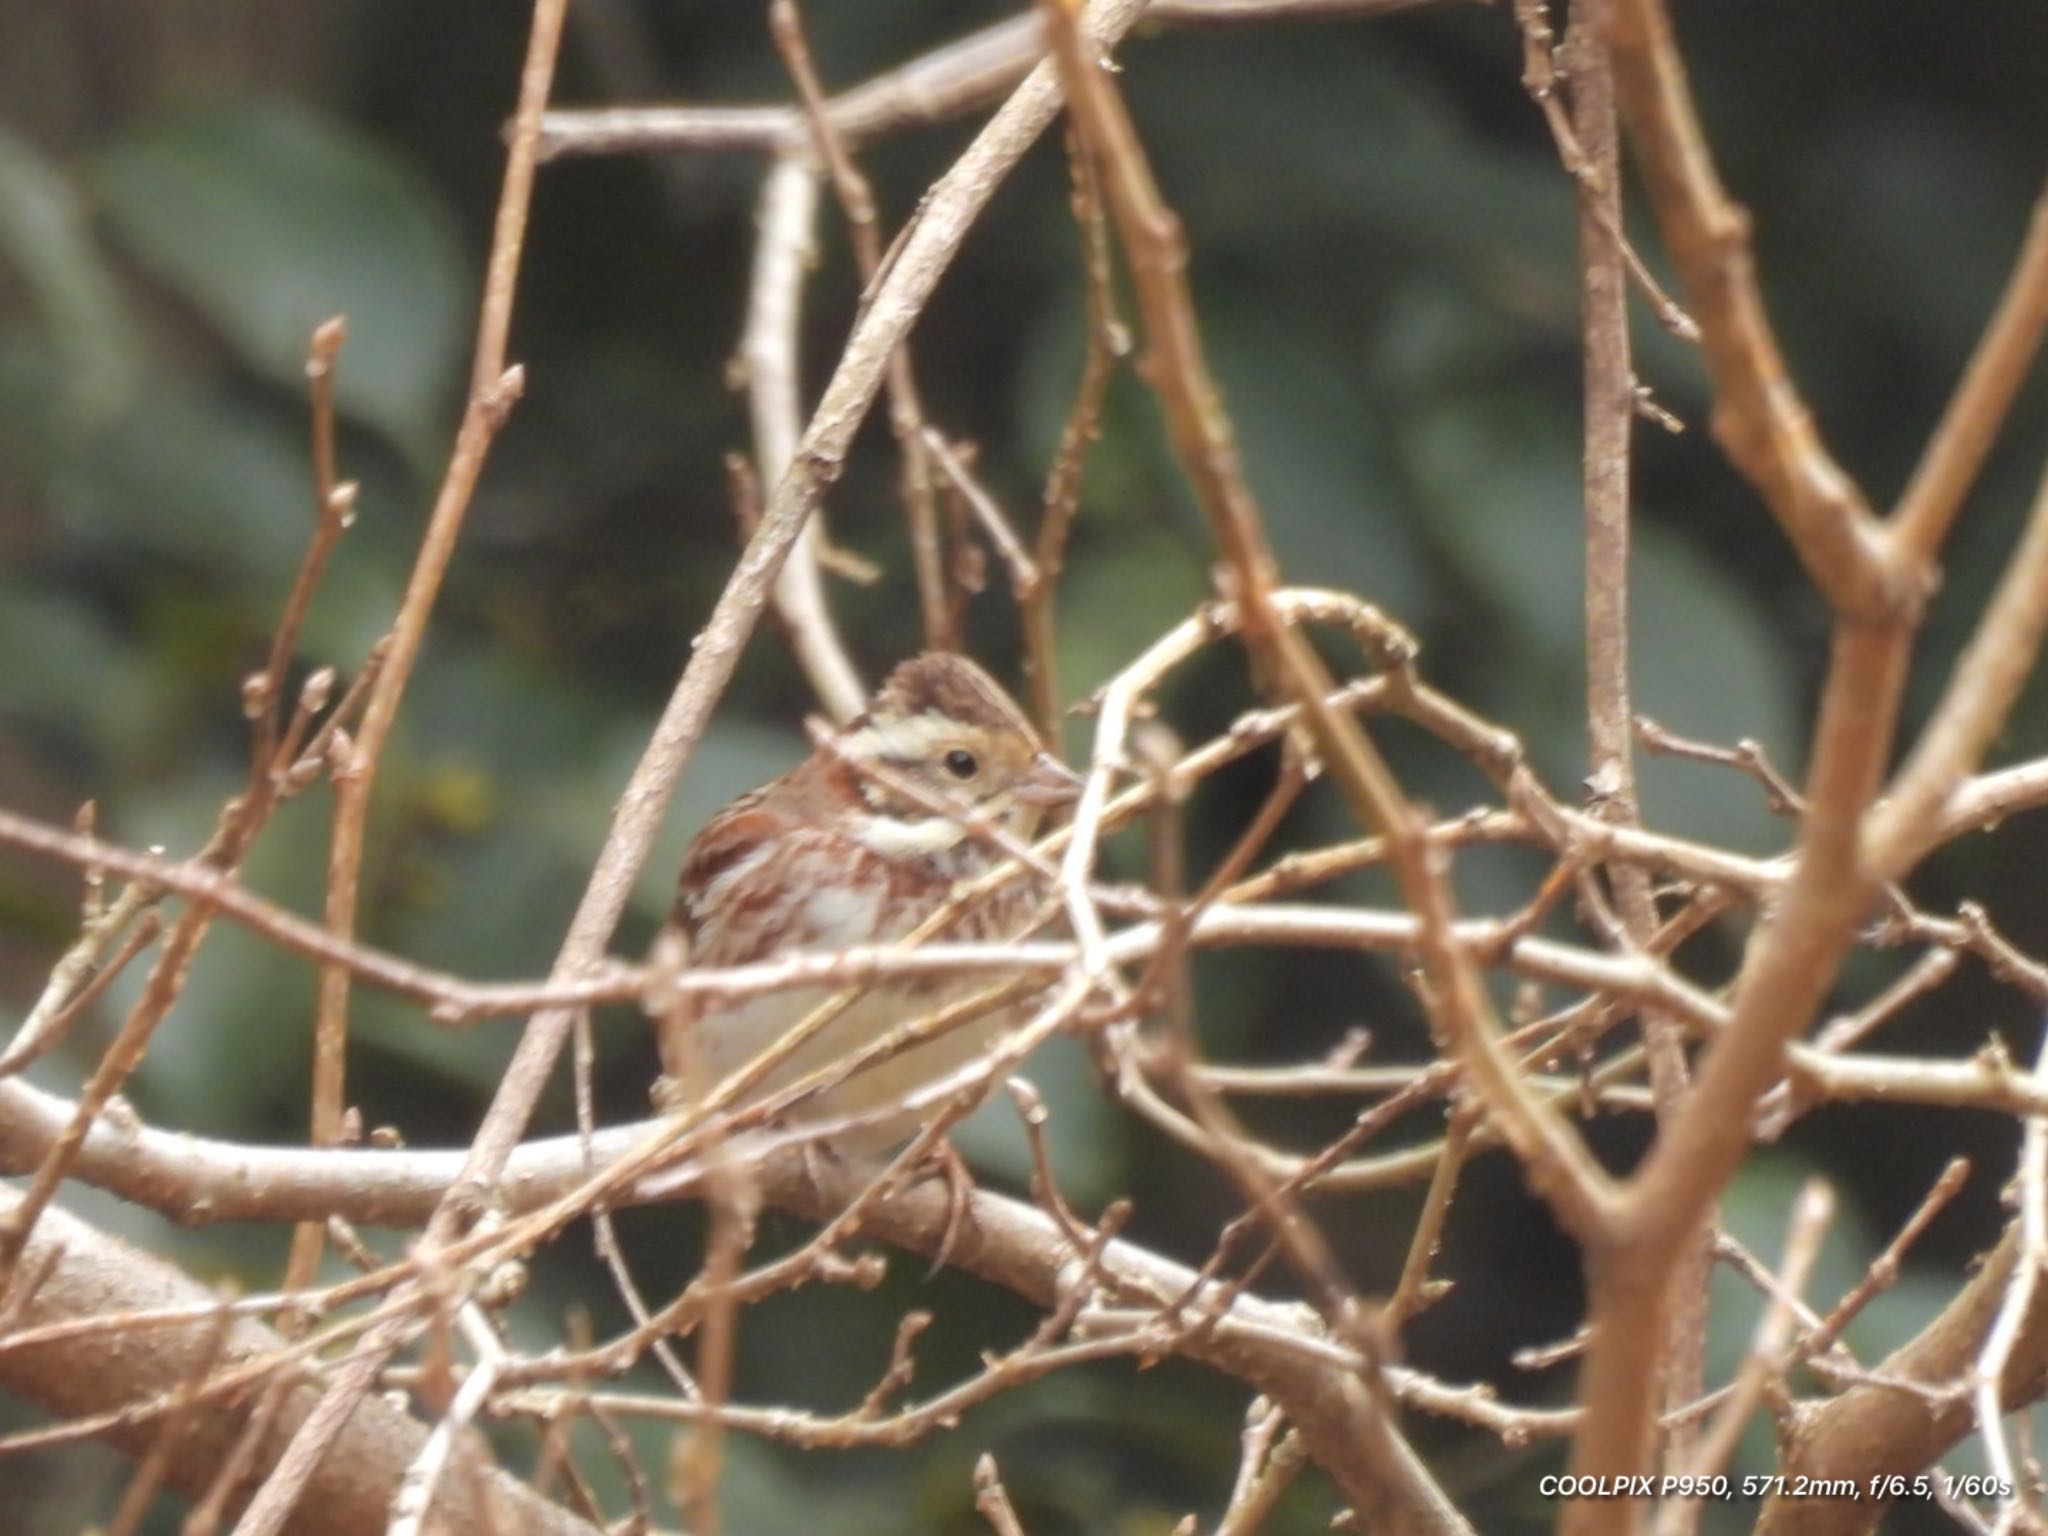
[
  {"x": 74, "y": 968},
  {"x": 1985, "y": 685},
  {"x": 1204, "y": 443},
  {"x": 493, "y": 388},
  {"x": 1954, "y": 454},
  {"x": 906, "y": 413},
  {"x": 1758, "y": 417},
  {"x": 1591, "y": 148},
  {"x": 1271, "y": 1458},
  {"x": 783, "y": 256},
  {"x": 1106, "y": 343},
  {"x": 1988, "y": 1377},
  {"x": 951, "y": 81},
  {"x": 1769, "y": 1351},
  {"x": 41, "y": 1034},
  {"x": 333, "y": 511},
  {"x": 992, "y": 1499}
]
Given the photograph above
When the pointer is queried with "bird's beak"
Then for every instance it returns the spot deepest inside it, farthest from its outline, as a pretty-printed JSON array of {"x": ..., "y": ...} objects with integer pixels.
[{"x": 1048, "y": 782}]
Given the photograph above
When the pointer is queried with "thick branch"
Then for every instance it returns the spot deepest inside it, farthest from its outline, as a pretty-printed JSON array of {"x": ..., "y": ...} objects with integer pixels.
[
  {"x": 1004, "y": 1241},
  {"x": 1876, "y": 1428},
  {"x": 350, "y": 1494}
]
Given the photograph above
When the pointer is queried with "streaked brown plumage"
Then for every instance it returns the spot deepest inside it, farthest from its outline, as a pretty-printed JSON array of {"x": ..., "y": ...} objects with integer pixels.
[{"x": 829, "y": 856}]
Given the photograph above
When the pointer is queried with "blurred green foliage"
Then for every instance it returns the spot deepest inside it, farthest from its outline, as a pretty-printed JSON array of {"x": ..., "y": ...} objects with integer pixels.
[{"x": 1385, "y": 261}]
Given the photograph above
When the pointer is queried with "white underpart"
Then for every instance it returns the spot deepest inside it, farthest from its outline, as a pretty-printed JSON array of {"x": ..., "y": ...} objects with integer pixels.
[
  {"x": 836, "y": 916},
  {"x": 733, "y": 1036},
  {"x": 894, "y": 837}
]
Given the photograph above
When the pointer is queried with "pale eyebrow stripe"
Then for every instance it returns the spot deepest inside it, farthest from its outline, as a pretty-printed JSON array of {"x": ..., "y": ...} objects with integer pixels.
[{"x": 900, "y": 739}]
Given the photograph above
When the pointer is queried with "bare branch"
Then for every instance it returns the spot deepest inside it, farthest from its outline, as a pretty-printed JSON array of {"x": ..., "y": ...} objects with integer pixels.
[
  {"x": 94, "y": 1276},
  {"x": 949, "y": 82},
  {"x": 768, "y": 357},
  {"x": 1922, "y": 519},
  {"x": 1758, "y": 416}
]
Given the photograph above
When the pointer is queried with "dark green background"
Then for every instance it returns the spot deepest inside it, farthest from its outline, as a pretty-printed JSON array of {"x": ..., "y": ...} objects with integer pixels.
[{"x": 1385, "y": 266}]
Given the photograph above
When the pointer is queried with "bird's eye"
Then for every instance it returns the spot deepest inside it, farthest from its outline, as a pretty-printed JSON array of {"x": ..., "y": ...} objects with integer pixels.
[{"x": 961, "y": 764}]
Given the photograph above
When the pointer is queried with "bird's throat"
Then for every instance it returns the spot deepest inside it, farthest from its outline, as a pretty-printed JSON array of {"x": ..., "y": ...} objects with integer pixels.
[{"x": 908, "y": 837}]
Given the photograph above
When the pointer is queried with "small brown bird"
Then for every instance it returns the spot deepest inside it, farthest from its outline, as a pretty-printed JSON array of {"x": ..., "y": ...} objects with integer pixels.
[{"x": 858, "y": 844}]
